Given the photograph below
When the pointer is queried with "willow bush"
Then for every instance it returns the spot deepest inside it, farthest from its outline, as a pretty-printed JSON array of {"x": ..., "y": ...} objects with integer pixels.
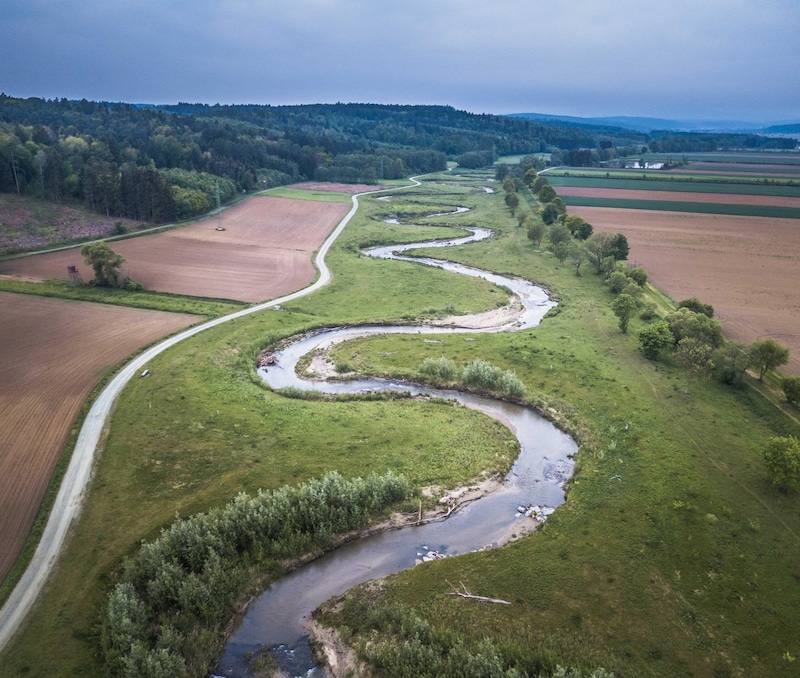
[{"x": 174, "y": 595}]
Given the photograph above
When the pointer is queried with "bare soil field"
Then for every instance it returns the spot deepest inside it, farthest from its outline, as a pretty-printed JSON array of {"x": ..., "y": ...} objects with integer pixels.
[
  {"x": 679, "y": 196},
  {"x": 52, "y": 354},
  {"x": 745, "y": 267},
  {"x": 27, "y": 223},
  {"x": 257, "y": 250}
]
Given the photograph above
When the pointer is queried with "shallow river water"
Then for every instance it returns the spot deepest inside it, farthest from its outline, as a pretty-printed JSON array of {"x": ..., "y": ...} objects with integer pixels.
[{"x": 275, "y": 619}]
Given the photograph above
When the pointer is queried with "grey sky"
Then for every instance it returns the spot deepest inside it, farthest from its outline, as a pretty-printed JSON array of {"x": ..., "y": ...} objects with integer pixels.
[{"x": 733, "y": 59}]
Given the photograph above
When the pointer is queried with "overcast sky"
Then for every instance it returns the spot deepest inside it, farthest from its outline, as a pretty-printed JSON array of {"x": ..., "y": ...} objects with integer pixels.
[{"x": 729, "y": 59}]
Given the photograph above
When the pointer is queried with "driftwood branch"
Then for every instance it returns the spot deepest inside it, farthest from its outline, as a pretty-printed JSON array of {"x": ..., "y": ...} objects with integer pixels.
[{"x": 466, "y": 594}]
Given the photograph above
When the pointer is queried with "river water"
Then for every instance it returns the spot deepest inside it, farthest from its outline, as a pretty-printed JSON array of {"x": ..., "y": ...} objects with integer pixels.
[{"x": 275, "y": 619}]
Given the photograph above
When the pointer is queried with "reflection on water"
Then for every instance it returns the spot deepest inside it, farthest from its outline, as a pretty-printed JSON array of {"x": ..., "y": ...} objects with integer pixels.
[{"x": 275, "y": 619}]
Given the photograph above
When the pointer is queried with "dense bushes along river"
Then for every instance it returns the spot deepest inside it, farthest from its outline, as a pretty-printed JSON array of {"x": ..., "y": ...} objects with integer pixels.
[{"x": 164, "y": 617}]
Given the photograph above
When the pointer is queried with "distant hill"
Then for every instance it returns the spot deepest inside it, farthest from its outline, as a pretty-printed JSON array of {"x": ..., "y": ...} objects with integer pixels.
[{"x": 647, "y": 125}]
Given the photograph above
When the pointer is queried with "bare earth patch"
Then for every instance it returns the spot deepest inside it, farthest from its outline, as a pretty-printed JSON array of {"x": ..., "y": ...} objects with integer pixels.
[
  {"x": 679, "y": 196},
  {"x": 259, "y": 249},
  {"x": 745, "y": 267},
  {"x": 52, "y": 354}
]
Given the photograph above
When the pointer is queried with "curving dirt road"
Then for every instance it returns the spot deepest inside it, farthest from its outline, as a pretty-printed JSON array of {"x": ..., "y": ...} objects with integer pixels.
[{"x": 68, "y": 503}]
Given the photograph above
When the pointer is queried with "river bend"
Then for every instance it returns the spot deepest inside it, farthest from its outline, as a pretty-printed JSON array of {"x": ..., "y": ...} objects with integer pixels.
[{"x": 275, "y": 619}]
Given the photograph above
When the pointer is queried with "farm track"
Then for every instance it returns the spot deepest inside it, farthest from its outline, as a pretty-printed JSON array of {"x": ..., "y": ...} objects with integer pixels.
[{"x": 68, "y": 502}]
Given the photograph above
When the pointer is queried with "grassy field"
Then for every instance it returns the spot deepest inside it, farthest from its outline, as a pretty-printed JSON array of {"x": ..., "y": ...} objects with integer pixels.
[
  {"x": 157, "y": 301},
  {"x": 671, "y": 557}
]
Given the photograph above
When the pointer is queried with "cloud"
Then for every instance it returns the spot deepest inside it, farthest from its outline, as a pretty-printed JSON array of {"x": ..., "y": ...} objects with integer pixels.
[{"x": 660, "y": 57}]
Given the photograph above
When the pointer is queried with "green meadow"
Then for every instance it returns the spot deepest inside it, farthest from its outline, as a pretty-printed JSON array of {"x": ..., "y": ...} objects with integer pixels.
[{"x": 672, "y": 556}]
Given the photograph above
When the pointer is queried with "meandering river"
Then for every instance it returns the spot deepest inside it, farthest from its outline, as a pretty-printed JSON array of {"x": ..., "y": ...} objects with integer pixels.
[{"x": 275, "y": 619}]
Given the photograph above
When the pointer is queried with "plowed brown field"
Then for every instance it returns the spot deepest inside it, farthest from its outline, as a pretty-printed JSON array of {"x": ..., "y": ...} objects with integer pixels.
[
  {"x": 263, "y": 252},
  {"x": 52, "y": 353},
  {"x": 745, "y": 267},
  {"x": 679, "y": 196}
]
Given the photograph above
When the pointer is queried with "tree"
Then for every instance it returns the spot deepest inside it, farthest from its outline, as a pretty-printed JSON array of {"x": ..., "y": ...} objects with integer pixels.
[
  {"x": 512, "y": 200},
  {"x": 791, "y": 389},
  {"x": 782, "y": 458},
  {"x": 561, "y": 251},
  {"x": 624, "y": 307},
  {"x": 538, "y": 184},
  {"x": 694, "y": 304},
  {"x": 654, "y": 338},
  {"x": 104, "y": 261},
  {"x": 536, "y": 231},
  {"x": 577, "y": 258},
  {"x": 549, "y": 213},
  {"x": 686, "y": 323},
  {"x": 638, "y": 275},
  {"x": 619, "y": 247},
  {"x": 559, "y": 233},
  {"x": 731, "y": 361},
  {"x": 694, "y": 357},
  {"x": 546, "y": 193},
  {"x": 768, "y": 354},
  {"x": 560, "y": 205},
  {"x": 602, "y": 249},
  {"x": 617, "y": 281}
]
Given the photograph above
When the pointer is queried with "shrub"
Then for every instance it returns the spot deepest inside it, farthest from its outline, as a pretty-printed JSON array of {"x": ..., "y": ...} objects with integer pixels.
[
  {"x": 654, "y": 338},
  {"x": 694, "y": 304},
  {"x": 638, "y": 275},
  {"x": 188, "y": 579},
  {"x": 782, "y": 458},
  {"x": 441, "y": 369},
  {"x": 791, "y": 389}
]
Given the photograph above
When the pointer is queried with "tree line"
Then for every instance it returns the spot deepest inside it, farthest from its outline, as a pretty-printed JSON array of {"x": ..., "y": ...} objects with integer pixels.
[{"x": 688, "y": 337}]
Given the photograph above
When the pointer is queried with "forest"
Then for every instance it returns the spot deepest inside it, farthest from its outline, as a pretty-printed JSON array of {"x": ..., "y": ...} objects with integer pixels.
[
  {"x": 173, "y": 162},
  {"x": 165, "y": 163}
]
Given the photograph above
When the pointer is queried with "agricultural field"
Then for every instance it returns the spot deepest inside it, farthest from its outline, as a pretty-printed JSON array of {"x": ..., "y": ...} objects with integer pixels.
[
  {"x": 53, "y": 354},
  {"x": 258, "y": 249},
  {"x": 717, "y": 227},
  {"x": 745, "y": 267},
  {"x": 672, "y": 555}
]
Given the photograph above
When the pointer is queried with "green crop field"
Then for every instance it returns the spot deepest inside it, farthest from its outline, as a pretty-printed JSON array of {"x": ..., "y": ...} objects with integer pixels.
[
  {"x": 678, "y": 206},
  {"x": 673, "y": 556},
  {"x": 756, "y": 158},
  {"x": 656, "y": 180}
]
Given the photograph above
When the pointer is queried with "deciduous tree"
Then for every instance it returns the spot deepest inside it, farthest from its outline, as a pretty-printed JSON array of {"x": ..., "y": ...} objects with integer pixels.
[
  {"x": 782, "y": 459},
  {"x": 694, "y": 358},
  {"x": 654, "y": 338},
  {"x": 686, "y": 323},
  {"x": 791, "y": 389},
  {"x": 768, "y": 354},
  {"x": 546, "y": 193},
  {"x": 624, "y": 307},
  {"x": 536, "y": 231},
  {"x": 105, "y": 262}
]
